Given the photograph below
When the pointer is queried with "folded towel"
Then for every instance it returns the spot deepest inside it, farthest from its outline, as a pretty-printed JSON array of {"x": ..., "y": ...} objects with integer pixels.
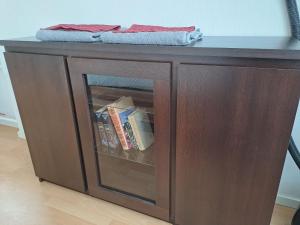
[
  {"x": 153, "y": 38},
  {"x": 149, "y": 28},
  {"x": 60, "y": 35},
  {"x": 136, "y": 34},
  {"x": 84, "y": 27}
]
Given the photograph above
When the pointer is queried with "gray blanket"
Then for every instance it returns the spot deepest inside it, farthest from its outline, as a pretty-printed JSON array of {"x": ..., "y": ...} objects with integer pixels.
[
  {"x": 153, "y": 38},
  {"x": 60, "y": 35},
  {"x": 147, "y": 38}
]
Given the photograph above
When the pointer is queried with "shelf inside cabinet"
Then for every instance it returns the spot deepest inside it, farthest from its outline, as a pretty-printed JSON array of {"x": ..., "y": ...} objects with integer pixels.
[{"x": 145, "y": 157}]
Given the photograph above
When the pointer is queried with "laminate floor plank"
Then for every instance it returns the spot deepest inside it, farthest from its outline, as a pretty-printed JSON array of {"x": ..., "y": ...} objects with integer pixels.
[{"x": 26, "y": 201}]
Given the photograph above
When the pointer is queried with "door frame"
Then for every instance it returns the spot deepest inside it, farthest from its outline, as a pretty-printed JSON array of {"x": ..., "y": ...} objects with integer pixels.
[{"x": 160, "y": 73}]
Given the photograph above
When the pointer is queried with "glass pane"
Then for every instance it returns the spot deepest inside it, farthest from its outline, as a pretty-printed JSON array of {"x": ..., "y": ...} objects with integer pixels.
[{"x": 123, "y": 121}]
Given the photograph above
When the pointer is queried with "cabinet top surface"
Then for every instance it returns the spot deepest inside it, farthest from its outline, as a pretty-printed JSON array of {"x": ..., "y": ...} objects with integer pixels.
[{"x": 223, "y": 46}]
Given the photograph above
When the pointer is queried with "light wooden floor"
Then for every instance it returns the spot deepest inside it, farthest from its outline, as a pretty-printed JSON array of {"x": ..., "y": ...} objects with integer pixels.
[{"x": 26, "y": 201}]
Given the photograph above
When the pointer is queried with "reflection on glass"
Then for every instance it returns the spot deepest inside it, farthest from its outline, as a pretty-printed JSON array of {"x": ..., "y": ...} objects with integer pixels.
[{"x": 123, "y": 119}]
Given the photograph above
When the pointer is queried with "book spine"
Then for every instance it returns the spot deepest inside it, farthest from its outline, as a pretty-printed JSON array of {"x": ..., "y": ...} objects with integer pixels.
[
  {"x": 127, "y": 138},
  {"x": 140, "y": 124},
  {"x": 118, "y": 126},
  {"x": 123, "y": 118},
  {"x": 135, "y": 132},
  {"x": 127, "y": 128},
  {"x": 130, "y": 135},
  {"x": 111, "y": 136},
  {"x": 102, "y": 133},
  {"x": 110, "y": 131}
]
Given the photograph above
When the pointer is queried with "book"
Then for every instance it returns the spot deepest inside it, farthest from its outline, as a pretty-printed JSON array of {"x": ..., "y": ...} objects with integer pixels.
[
  {"x": 114, "y": 109},
  {"x": 141, "y": 127},
  {"x": 127, "y": 127},
  {"x": 102, "y": 133},
  {"x": 105, "y": 124}
]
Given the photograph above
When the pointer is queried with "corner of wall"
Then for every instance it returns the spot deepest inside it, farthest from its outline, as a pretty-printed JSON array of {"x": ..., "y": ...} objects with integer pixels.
[
  {"x": 7, "y": 121},
  {"x": 287, "y": 201},
  {"x": 16, "y": 121},
  {"x": 21, "y": 134}
]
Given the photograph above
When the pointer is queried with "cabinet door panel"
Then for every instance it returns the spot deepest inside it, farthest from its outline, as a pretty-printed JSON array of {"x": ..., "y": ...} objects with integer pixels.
[
  {"x": 233, "y": 129},
  {"x": 43, "y": 95},
  {"x": 134, "y": 176}
]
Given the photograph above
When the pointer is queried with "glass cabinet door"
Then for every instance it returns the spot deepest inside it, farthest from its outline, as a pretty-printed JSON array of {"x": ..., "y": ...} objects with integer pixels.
[
  {"x": 123, "y": 112},
  {"x": 123, "y": 121}
]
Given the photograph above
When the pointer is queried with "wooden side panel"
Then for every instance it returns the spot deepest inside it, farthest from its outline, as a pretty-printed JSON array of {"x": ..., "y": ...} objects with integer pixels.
[
  {"x": 43, "y": 95},
  {"x": 233, "y": 128}
]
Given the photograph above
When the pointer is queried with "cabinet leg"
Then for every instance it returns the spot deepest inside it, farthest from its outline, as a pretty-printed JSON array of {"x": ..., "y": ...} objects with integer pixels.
[{"x": 41, "y": 179}]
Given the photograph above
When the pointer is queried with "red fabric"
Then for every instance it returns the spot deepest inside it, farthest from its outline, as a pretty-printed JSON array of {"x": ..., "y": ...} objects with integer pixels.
[
  {"x": 149, "y": 28},
  {"x": 84, "y": 27}
]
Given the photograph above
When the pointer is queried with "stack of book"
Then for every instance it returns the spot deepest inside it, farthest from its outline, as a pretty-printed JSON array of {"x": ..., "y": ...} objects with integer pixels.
[{"x": 122, "y": 123}]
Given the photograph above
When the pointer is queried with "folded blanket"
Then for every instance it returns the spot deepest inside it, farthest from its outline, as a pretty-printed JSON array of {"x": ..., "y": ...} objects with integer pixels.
[
  {"x": 153, "y": 38},
  {"x": 150, "y": 28},
  {"x": 136, "y": 34},
  {"x": 60, "y": 35},
  {"x": 84, "y": 27}
]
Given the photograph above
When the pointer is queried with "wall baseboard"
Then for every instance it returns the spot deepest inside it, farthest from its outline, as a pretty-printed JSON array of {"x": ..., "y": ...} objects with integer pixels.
[
  {"x": 287, "y": 201},
  {"x": 21, "y": 134},
  {"x": 8, "y": 121}
]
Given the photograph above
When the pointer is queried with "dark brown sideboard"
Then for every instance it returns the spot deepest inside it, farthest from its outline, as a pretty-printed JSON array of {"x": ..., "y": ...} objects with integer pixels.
[{"x": 221, "y": 113}]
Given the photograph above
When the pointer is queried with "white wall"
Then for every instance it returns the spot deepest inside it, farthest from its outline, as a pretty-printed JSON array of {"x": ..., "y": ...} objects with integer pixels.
[
  {"x": 8, "y": 105},
  {"x": 215, "y": 17},
  {"x": 6, "y": 101},
  {"x": 8, "y": 109}
]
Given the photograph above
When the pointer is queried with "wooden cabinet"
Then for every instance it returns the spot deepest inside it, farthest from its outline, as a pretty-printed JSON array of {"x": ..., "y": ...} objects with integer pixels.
[
  {"x": 44, "y": 100},
  {"x": 233, "y": 128},
  {"x": 137, "y": 178},
  {"x": 204, "y": 130}
]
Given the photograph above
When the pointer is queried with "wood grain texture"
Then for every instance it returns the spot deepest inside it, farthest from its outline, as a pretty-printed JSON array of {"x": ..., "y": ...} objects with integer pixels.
[
  {"x": 214, "y": 46},
  {"x": 146, "y": 70},
  {"x": 42, "y": 92},
  {"x": 229, "y": 146},
  {"x": 233, "y": 128},
  {"x": 161, "y": 147}
]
